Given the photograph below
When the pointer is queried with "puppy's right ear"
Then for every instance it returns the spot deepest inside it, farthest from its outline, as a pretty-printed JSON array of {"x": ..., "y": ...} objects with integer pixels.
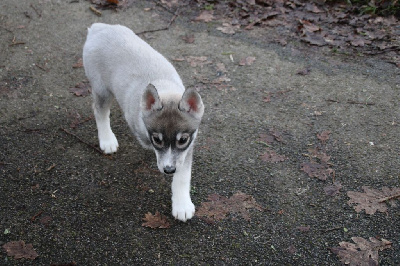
[{"x": 150, "y": 100}]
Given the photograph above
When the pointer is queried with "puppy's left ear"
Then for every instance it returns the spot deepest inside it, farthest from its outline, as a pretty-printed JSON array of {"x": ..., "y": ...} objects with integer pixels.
[{"x": 191, "y": 103}]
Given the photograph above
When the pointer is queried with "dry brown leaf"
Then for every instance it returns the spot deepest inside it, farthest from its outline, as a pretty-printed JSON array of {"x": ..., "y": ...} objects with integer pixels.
[
  {"x": 169, "y": 3},
  {"x": 307, "y": 26},
  {"x": 228, "y": 28},
  {"x": 20, "y": 250},
  {"x": 323, "y": 136},
  {"x": 320, "y": 155},
  {"x": 313, "y": 8},
  {"x": 205, "y": 16},
  {"x": 320, "y": 171},
  {"x": 155, "y": 221},
  {"x": 372, "y": 200},
  {"x": 333, "y": 189},
  {"x": 218, "y": 207},
  {"x": 303, "y": 72},
  {"x": 195, "y": 61},
  {"x": 363, "y": 252},
  {"x": 247, "y": 61},
  {"x": 81, "y": 89},
  {"x": 272, "y": 156},
  {"x": 266, "y": 138},
  {"x": 314, "y": 39},
  {"x": 188, "y": 38},
  {"x": 303, "y": 228}
]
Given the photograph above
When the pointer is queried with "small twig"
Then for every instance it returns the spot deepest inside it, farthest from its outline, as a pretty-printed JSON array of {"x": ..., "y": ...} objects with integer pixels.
[
  {"x": 41, "y": 67},
  {"x": 354, "y": 102},
  {"x": 389, "y": 198},
  {"x": 84, "y": 142},
  {"x": 350, "y": 102},
  {"x": 333, "y": 101},
  {"x": 13, "y": 42},
  {"x": 332, "y": 229},
  {"x": 4, "y": 163},
  {"x": 164, "y": 28},
  {"x": 37, "y": 12},
  {"x": 166, "y": 8},
  {"x": 36, "y": 215},
  {"x": 51, "y": 167},
  {"x": 96, "y": 11},
  {"x": 6, "y": 29}
]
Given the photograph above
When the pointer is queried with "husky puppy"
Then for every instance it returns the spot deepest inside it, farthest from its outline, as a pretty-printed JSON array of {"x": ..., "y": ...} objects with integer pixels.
[{"x": 160, "y": 112}]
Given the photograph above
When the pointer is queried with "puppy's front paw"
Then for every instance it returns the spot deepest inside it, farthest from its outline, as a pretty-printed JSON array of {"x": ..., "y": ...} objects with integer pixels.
[
  {"x": 109, "y": 145},
  {"x": 183, "y": 210}
]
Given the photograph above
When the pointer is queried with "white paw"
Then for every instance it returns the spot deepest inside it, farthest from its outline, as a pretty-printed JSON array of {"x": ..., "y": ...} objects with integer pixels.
[
  {"x": 109, "y": 145},
  {"x": 183, "y": 210}
]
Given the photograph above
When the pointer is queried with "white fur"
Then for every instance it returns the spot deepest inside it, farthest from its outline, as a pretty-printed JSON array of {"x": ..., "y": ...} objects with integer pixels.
[{"x": 118, "y": 63}]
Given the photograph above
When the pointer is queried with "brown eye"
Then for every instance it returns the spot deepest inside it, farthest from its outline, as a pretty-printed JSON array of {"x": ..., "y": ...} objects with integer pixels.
[
  {"x": 157, "y": 139},
  {"x": 182, "y": 140}
]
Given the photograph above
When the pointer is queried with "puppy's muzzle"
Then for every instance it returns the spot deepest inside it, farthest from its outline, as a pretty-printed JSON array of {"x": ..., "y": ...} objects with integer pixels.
[{"x": 169, "y": 170}]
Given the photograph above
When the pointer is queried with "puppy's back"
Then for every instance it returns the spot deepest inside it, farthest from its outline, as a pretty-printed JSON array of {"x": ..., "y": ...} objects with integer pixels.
[{"x": 116, "y": 49}]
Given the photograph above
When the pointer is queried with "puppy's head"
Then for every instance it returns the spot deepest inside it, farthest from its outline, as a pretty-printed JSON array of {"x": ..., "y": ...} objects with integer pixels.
[{"x": 172, "y": 125}]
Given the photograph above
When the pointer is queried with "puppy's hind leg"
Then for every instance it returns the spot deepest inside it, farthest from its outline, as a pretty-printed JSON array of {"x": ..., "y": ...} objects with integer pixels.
[{"x": 101, "y": 106}]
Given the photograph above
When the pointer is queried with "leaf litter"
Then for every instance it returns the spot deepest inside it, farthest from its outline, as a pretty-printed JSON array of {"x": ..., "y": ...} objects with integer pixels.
[
  {"x": 373, "y": 200},
  {"x": 218, "y": 207},
  {"x": 336, "y": 24},
  {"x": 363, "y": 252},
  {"x": 82, "y": 89},
  {"x": 20, "y": 250},
  {"x": 271, "y": 156},
  {"x": 318, "y": 166},
  {"x": 155, "y": 221}
]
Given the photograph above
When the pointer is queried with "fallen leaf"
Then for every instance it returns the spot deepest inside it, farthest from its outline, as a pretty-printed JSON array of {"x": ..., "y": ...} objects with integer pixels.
[
  {"x": 272, "y": 156},
  {"x": 220, "y": 80},
  {"x": 228, "y": 28},
  {"x": 303, "y": 228},
  {"x": 314, "y": 39},
  {"x": 218, "y": 207},
  {"x": 205, "y": 16},
  {"x": 363, "y": 252},
  {"x": 195, "y": 61},
  {"x": 333, "y": 189},
  {"x": 357, "y": 42},
  {"x": 313, "y": 8},
  {"x": 320, "y": 155},
  {"x": 372, "y": 200},
  {"x": 20, "y": 250},
  {"x": 323, "y": 136},
  {"x": 169, "y": 3},
  {"x": 155, "y": 221},
  {"x": 266, "y": 138},
  {"x": 247, "y": 61},
  {"x": 277, "y": 135},
  {"x": 81, "y": 89},
  {"x": 304, "y": 71},
  {"x": 320, "y": 171},
  {"x": 307, "y": 26},
  {"x": 179, "y": 59},
  {"x": 188, "y": 38}
]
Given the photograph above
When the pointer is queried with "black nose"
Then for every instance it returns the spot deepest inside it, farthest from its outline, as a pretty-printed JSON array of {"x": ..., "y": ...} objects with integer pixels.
[{"x": 169, "y": 170}]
